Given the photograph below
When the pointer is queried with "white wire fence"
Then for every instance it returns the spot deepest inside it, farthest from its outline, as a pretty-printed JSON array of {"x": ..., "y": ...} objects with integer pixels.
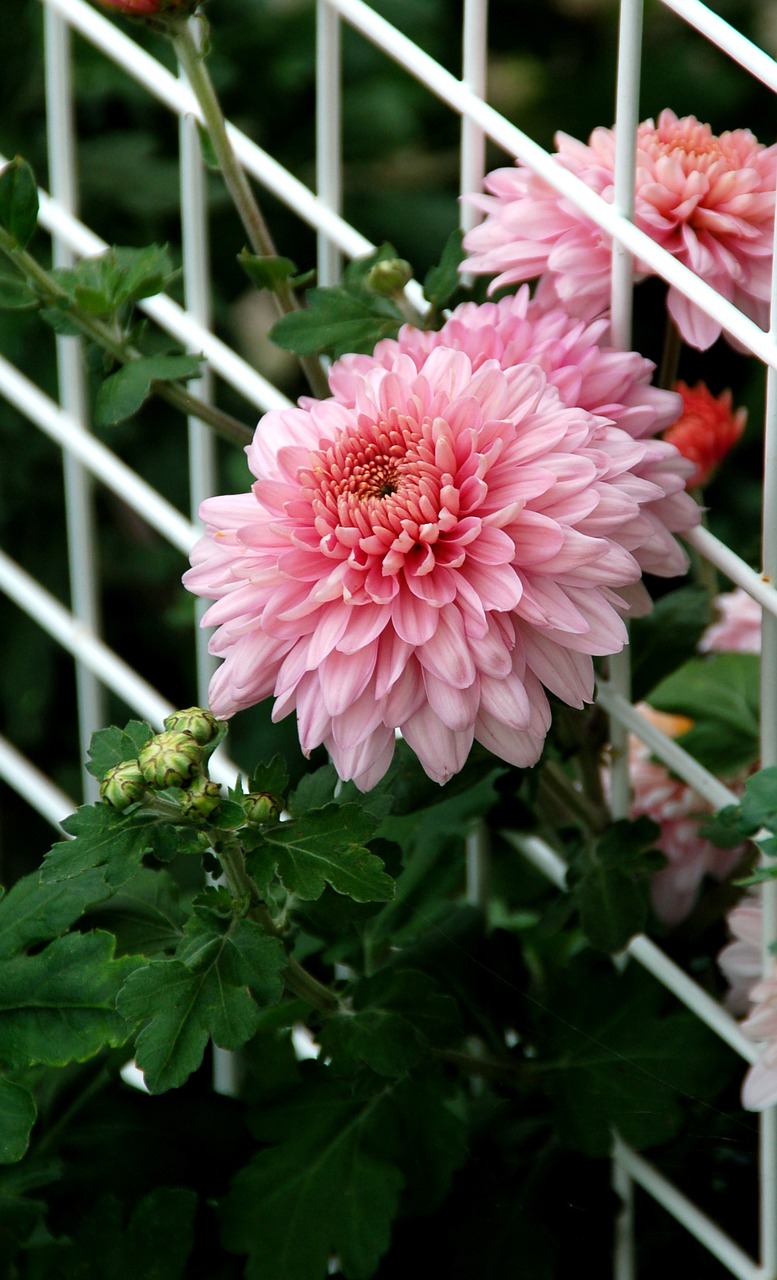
[{"x": 88, "y": 463}]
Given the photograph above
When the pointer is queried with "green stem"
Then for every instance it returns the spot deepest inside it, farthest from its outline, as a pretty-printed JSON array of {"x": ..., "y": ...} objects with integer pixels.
[
  {"x": 297, "y": 979},
  {"x": 105, "y": 336},
  {"x": 670, "y": 358},
  {"x": 259, "y": 237},
  {"x": 564, "y": 796}
]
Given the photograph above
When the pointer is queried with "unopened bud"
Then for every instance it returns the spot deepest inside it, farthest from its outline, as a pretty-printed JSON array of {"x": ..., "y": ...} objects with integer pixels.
[
  {"x": 261, "y": 806},
  {"x": 389, "y": 277},
  {"x": 170, "y": 759},
  {"x": 201, "y": 798},
  {"x": 122, "y": 785},
  {"x": 202, "y": 725}
]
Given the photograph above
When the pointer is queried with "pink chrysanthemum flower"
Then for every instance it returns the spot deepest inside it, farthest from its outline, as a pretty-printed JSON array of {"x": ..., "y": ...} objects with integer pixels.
[
  {"x": 706, "y": 199},
  {"x": 678, "y": 810},
  {"x": 586, "y": 373},
  {"x": 424, "y": 560},
  {"x": 742, "y": 964},
  {"x": 738, "y": 625}
]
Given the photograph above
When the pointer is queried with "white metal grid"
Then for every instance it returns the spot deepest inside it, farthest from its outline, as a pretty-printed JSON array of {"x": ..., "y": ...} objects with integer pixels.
[{"x": 87, "y": 461}]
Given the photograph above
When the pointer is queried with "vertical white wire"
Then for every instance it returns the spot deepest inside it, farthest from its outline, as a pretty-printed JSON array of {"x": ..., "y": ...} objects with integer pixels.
[
  {"x": 196, "y": 278},
  {"x": 474, "y": 65},
  {"x": 768, "y": 1128},
  {"x": 329, "y": 159},
  {"x": 626, "y": 121},
  {"x": 79, "y": 509}
]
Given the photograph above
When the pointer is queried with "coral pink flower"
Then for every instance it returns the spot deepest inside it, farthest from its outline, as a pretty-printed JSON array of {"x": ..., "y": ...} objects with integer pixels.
[
  {"x": 678, "y": 810},
  {"x": 147, "y": 6},
  {"x": 586, "y": 373},
  {"x": 738, "y": 627},
  {"x": 706, "y": 430},
  {"x": 427, "y": 560},
  {"x": 706, "y": 199}
]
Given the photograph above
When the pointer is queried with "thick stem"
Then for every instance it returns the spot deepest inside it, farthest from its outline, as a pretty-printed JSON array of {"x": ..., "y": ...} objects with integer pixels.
[
  {"x": 259, "y": 237},
  {"x": 105, "y": 336},
  {"x": 670, "y": 358},
  {"x": 566, "y": 799}
]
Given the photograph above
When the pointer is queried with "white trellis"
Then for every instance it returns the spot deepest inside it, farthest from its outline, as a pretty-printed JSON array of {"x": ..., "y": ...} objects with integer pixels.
[{"x": 87, "y": 461}]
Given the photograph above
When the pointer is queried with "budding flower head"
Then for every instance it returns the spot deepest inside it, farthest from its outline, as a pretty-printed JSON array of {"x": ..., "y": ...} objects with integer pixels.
[
  {"x": 389, "y": 277},
  {"x": 261, "y": 806},
  {"x": 202, "y": 725},
  {"x": 201, "y": 798},
  {"x": 706, "y": 430},
  {"x": 170, "y": 759},
  {"x": 123, "y": 784}
]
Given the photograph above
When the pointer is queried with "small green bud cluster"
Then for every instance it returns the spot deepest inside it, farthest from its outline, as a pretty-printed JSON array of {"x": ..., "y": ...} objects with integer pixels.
[
  {"x": 175, "y": 758},
  {"x": 389, "y": 277},
  {"x": 261, "y": 806}
]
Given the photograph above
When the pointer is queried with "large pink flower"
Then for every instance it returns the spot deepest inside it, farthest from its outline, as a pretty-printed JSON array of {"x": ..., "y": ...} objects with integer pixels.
[
  {"x": 742, "y": 963},
  {"x": 708, "y": 200},
  {"x": 737, "y": 628},
  {"x": 586, "y": 373},
  {"x": 424, "y": 560}
]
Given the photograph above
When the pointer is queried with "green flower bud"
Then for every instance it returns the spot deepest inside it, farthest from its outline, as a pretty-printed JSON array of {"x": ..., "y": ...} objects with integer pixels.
[
  {"x": 122, "y": 785},
  {"x": 261, "y": 806},
  {"x": 170, "y": 759},
  {"x": 389, "y": 277},
  {"x": 202, "y": 725},
  {"x": 201, "y": 798}
]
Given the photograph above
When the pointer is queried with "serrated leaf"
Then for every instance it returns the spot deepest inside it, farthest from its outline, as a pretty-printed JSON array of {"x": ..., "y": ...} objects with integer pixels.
[
  {"x": 155, "y": 1243},
  {"x": 103, "y": 838},
  {"x": 266, "y": 272},
  {"x": 204, "y": 994},
  {"x": 314, "y": 791},
  {"x": 19, "y": 201},
  {"x": 272, "y": 777},
  {"x": 620, "y": 1062},
  {"x": 759, "y": 803},
  {"x": 324, "y": 1188},
  {"x": 145, "y": 916},
  {"x": 682, "y": 614},
  {"x": 31, "y": 912},
  {"x": 442, "y": 282},
  {"x": 125, "y": 391},
  {"x": 323, "y": 847},
  {"x": 58, "y": 1005},
  {"x": 610, "y": 883},
  {"x": 106, "y": 281},
  {"x": 16, "y": 294},
  {"x": 18, "y": 1114},
  {"x": 113, "y": 746},
  {"x": 337, "y": 321}
]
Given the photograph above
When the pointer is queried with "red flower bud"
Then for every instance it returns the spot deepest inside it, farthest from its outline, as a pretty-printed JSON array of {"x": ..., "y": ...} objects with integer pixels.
[
  {"x": 706, "y": 429},
  {"x": 147, "y": 6}
]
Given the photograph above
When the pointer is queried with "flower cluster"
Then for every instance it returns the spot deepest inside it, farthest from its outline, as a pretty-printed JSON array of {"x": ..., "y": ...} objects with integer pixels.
[
  {"x": 706, "y": 430},
  {"x": 707, "y": 199}
]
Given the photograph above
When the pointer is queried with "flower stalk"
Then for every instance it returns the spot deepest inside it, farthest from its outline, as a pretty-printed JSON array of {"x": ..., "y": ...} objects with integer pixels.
[{"x": 259, "y": 237}]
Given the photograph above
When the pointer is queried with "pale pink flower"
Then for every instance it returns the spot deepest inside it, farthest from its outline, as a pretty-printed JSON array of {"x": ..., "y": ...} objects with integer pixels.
[
  {"x": 424, "y": 560},
  {"x": 738, "y": 626},
  {"x": 678, "y": 810},
  {"x": 742, "y": 964},
  {"x": 706, "y": 199},
  {"x": 586, "y": 373}
]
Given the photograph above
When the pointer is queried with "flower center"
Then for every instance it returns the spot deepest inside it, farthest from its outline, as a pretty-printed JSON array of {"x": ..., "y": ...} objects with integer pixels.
[{"x": 691, "y": 144}]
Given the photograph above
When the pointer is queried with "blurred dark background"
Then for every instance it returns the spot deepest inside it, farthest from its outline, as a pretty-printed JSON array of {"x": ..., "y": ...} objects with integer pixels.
[{"x": 552, "y": 67}]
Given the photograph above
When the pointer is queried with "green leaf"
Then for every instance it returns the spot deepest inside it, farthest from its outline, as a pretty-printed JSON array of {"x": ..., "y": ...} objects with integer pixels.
[
  {"x": 156, "y": 1243},
  {"x": 396, "y": 1016},
  {"x": 58, "y": 1005},
  {"x": 442, "y": 282},
  {"x": 272, "y": 777},
  {"x": 125, "y": 391},
  {"x": 266, "y": 272},
  {"x": 610, "y": 883},
  {"x": 684, "y": 615},
  {"x": 103, "y": 838},
  {"x": 103, "y": 283},
  {"x": 324, "y": 1188},
  {"x": 721, "y": 694},
  {"x": 113, "y": 746},
  {"x": 16, "y": 295},
  {"x": 617, "y": 1061},
  {"x": 145, "y": 916},
  {"x": 17, "y": 1116},
  {"x": 759, "y": 803},
  {"x": 31, "y": 912},
  {"x": 337, "y": 322},
  {"x": 19, "y": 201},
  {"x": 324, "y": 846},
  {"x": 202, "y": 994}
]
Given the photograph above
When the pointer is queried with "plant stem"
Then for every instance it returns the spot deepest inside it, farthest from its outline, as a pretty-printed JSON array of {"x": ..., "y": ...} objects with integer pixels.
[
  {"x": 563, "y": 795},
  {"x": 297, "y": 979},
  {"x": 670, "y": 358},
  {"x": 259, "y": 237},
  {"x": 106, "y": 337}
]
